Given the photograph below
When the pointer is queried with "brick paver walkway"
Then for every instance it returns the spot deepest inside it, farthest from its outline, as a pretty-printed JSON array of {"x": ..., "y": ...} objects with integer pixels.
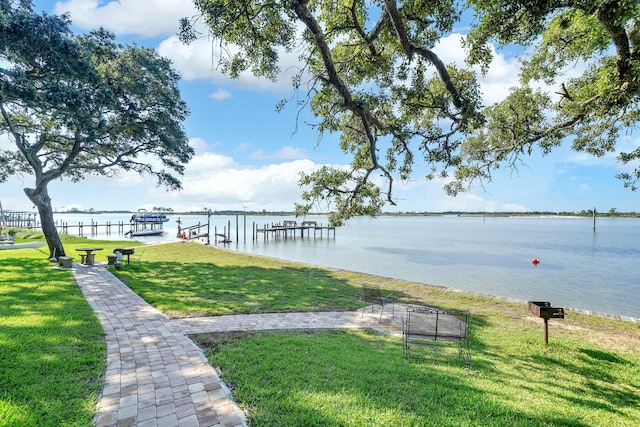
[{"x": 157, "y": 376}]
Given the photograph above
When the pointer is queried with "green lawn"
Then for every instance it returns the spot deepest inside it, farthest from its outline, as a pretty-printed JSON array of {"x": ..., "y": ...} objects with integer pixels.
[
  {"x": 588, "y": 376},
  {"x": 360, "y": 378},
  {"x": 52, "y": 351},
  {"x": 187, "y": 279}
]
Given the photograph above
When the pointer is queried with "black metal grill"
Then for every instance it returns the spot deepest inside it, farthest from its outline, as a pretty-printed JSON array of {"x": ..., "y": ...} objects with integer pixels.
[
  {"x": 544, "y": 310},
  {"x": 124, "y": 251}
]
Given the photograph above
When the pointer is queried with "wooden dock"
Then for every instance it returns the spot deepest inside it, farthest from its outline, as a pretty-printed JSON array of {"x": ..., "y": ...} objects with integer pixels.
[
  {"x": 211, "y": 233},
  {"x": 92, "y": 228},
  {"x": 290, "y": 229},
  {"x": 31, "y": 220},
  {"x": 21, "y": 219}
]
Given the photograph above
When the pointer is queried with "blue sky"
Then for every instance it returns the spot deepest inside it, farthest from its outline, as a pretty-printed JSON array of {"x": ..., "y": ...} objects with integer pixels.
[{"x": 248, "y": 156}]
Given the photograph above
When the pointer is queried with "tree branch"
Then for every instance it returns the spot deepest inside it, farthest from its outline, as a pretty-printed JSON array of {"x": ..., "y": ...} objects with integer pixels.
[{"x": 366, "y": 118}]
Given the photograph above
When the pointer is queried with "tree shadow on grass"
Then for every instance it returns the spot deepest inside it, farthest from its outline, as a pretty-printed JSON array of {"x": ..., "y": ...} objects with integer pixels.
[
  {"x": 606, "y": 383},
  {"x": 44, "y": 288},
  {"x": 540, "y": 390},
  {"x": 205, "y": 288},
  {"x": 52, "y": 352},
  {"x": 354, "y": 378},
  {"x": 591, "y": 383}
]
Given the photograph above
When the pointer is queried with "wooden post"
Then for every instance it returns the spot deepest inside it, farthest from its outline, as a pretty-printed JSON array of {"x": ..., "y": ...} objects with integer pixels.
[
  {"x": 546, "y": 332},
  {"x": 594, "y": 218},
  {"x": 237, "y": 230},
  {"x": 209, "y": 226}
]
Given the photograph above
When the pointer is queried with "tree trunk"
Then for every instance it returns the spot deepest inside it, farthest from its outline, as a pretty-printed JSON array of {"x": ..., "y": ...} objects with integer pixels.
[{"x": 43, "y": 202}]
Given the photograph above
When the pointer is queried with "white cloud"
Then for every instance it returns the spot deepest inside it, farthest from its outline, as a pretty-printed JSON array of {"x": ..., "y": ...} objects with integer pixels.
[
  {"x": 208, "y": 163},
  {"x": 220, "y": 95},
  {"x": 292, "y": 153},
  {"x": 449, "y": 49},
  {"x": 199, "y": 145},
  {"x": 193, "y": 61},
  {"x": 513, "y": 207},
  {"x": 501, "y": 75},
  {"x": 258, "y": 155},
  {"x": 429, "y": 196},
  {"x": 244, "y": 146},
  {"x": 148, "y": 18},
  {"x": 158, "y": 18},
  {"x": 200, "y": 59},
  {"x": 218, "y": 182}
]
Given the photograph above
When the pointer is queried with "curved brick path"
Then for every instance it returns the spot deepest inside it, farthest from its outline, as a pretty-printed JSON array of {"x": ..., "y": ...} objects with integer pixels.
[{"x": 157, "y": 376}]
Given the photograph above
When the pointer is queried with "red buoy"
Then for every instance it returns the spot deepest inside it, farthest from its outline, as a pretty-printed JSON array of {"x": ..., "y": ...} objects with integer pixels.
[{"x": 535, "y": 261}]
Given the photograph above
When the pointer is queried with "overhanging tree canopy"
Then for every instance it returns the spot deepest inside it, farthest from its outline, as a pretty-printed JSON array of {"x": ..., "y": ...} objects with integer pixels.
[
  {"x": 588, "y": 53},
  {"x": 75, "y": 106},
  {"x": 370, "y": 74}
]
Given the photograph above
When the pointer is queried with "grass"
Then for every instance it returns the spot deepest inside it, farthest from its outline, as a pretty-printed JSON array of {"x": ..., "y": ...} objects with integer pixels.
[
  {"x": 52, "y": 354},
  {"x": 187, "y": 280},
  {"x": 588, "y": 376},
  {"x": 360, "y": 378}
]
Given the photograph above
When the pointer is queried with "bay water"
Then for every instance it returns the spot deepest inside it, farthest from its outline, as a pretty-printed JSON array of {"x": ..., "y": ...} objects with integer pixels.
[{"x": 596, "y": 270}]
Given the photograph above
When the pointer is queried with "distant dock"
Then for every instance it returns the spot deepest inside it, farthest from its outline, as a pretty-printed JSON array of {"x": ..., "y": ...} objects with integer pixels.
[
  {"x": 31, "y": 220},
  {"x": 21, "y": 219},
  {"x": 93, "y": 227},
  {"x": 213, "y": 234},
  {"x": 289, "y": 229}
]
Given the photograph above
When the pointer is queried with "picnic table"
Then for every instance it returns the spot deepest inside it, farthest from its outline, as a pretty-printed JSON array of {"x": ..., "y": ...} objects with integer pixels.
[{"x": 87, "y": 258}]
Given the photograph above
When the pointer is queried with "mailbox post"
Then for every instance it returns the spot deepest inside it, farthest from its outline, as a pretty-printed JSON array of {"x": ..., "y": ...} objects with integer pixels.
[{"x": 545, "y": 311}]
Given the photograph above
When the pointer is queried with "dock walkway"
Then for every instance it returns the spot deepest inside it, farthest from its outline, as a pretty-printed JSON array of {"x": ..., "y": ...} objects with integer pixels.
[
  {"x": 157, "y": 376},
  {"x": 291, "y": 228}
]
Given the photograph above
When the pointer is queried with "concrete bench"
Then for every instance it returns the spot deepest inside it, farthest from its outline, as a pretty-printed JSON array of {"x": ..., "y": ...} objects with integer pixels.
[
  {"x": 112, "y": 259},
  {"x": 65, "y": 261}
]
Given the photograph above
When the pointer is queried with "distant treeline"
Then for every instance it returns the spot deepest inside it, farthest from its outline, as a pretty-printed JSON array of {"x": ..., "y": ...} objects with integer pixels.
[{"x": 586, "y": 213}]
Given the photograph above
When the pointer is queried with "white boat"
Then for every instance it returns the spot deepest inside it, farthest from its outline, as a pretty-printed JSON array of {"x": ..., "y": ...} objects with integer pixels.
[
  {"x": 5, "y": 240},
  {"x": 134, "y": 233},
  {"x": 148, "y": 217}
]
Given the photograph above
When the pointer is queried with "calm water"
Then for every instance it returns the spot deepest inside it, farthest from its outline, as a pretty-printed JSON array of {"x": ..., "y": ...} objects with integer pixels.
[{"x": 579, "y": 268}]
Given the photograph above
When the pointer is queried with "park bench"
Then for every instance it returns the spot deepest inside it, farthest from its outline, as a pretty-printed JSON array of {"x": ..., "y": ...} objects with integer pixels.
[
  {"x": 65, "y": 261},
  {"x": 371, "y": 294},
  {"x": 426, "y": 324}
]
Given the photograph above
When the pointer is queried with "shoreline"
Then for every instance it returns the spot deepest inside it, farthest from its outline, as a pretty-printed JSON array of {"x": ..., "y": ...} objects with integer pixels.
[{"x": 610, "y": 316}]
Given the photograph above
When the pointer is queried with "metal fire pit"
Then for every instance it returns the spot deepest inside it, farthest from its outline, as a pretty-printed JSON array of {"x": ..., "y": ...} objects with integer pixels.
[
  {"x": 544, "y": 310},
  {"x": 123, "y": 251}
]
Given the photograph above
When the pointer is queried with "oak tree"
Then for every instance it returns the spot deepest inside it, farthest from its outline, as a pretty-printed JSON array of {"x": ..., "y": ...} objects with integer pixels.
[
  {"x": 369, "y": 73},
  {"x": 81, "y": 105},
  {"x": 580, "y": 84}
]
